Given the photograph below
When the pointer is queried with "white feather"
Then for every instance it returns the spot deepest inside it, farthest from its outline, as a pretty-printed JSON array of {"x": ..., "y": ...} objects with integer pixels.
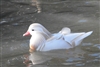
[{"x": 45, "y": 41}]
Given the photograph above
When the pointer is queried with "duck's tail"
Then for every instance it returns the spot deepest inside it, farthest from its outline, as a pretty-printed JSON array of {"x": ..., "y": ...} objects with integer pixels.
[
  {"x": 79, "y": 39},
  {"x": 75, "y": 39}
]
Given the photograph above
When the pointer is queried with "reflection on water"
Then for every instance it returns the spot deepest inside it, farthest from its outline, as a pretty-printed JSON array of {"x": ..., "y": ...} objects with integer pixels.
[
  {"x": 37, "y": 3},
  {"x": 59, "y": 6},
  {"x": 52, "y": 5},
  {"x": 80, "y": 16},
  {"x": 73, "y": 57}
]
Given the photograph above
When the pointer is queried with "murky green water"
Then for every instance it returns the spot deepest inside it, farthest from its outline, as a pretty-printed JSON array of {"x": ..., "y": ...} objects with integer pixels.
[{"x": 80, "y": 16}]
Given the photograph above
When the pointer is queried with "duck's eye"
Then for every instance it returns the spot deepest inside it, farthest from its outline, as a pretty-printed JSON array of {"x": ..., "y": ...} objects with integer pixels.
[{"x": 32, "y": 29}]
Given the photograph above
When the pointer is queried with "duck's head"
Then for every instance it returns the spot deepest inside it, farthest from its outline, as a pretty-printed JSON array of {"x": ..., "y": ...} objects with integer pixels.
[
  {"x": 36, "y": 27},
  {"x": 39, "y": 35}
]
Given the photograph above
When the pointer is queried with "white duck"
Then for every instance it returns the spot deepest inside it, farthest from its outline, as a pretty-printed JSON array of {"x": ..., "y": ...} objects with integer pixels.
[{"x": 43, "y": 40}]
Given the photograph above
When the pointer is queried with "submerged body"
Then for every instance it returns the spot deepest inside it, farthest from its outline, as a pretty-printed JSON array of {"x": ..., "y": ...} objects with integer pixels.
[{"x": 43, "y": 40}]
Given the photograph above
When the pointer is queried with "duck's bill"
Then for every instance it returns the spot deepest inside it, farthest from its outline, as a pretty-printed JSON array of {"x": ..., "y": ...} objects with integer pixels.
[{"x": 26, "y": 34}]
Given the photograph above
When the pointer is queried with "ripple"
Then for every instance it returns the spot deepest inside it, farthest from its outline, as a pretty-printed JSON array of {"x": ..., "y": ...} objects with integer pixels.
[
  {"x": 93, "y": 61},
  {"x": 15, "y": 61},
  {"x": 96, "y": 60},
  {"x": 80, "y": 64},
  {"x": 94, "y": 54},
  {"x": 3, "y": 22},
  {"x": 73, "y": 59},
  {"x": 71, "y": 63},
  {"x": 15, "y": 24},
  {"x": 91, "y": 47},
  {"x": 82, "y": 20},
  {"x": 97, "y": 46},
  {"x": 87, "y": 44}
]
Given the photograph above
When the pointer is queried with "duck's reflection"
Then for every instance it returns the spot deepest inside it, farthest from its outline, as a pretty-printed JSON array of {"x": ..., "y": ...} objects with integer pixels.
[
  {"x": 35, "y": 58},
  {"x": 42, "y": 57}
]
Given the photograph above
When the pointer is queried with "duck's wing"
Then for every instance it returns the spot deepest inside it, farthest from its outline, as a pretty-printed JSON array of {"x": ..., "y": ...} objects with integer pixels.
[
  {"x": 53, "y": 43},
  {"x": 55, "y": 36},
  {"x": 76, "y": 38},
  {"x": 59, "y": 41},
  {"x": 64, "y": 31}
]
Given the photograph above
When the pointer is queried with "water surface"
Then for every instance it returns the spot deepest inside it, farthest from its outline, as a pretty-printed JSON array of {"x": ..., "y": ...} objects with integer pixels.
[{"x": 17, "y": 15}]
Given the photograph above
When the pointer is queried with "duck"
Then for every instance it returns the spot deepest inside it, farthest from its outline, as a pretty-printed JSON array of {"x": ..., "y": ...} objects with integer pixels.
[{"x": 42, "y": 40}]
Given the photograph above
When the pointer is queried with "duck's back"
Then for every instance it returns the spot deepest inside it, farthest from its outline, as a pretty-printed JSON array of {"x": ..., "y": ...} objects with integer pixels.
[{"x": 59, "y": 41}]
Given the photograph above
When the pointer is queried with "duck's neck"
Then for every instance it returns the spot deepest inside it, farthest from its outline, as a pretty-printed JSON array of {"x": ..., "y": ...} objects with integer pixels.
[{"x": 46, "y": 35}]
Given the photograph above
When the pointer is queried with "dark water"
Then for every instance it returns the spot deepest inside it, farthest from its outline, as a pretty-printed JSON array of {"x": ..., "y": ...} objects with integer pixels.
[{"x": 17, "y": 15}]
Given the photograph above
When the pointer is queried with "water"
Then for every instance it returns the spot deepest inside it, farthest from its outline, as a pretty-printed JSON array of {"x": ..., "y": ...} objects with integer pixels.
[{"x": 80, "y": 16}]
